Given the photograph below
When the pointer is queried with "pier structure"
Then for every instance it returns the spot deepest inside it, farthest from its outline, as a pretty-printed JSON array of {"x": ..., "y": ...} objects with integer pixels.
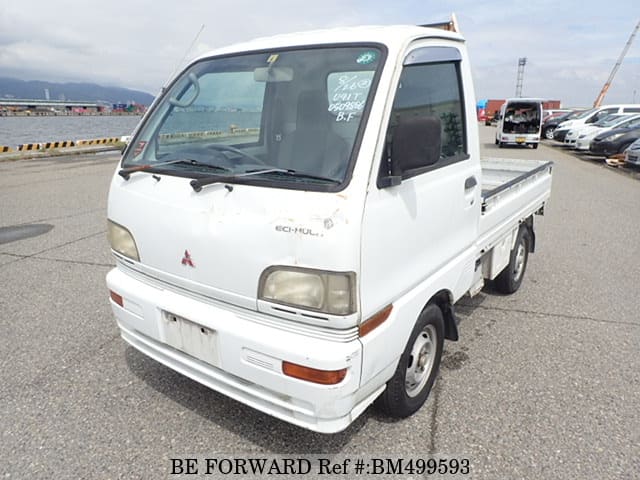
[{"x": 38, "y": 107}]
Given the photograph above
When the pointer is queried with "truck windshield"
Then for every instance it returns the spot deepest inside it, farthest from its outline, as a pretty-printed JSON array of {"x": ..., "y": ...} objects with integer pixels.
[{"x": 296, "y": 110}]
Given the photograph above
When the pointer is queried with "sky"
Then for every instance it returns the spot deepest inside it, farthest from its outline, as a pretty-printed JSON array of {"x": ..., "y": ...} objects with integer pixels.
[{"x": 570, "y": 46}]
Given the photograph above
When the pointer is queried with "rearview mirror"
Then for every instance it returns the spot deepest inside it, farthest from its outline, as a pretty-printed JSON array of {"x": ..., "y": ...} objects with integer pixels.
[
  {"x": 273, "y": 74},
  {"x": 415, "y": 145}
]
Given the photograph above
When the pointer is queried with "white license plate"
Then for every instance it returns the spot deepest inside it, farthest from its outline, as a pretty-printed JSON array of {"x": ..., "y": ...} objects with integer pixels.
[{"x": 191, "y": 338}]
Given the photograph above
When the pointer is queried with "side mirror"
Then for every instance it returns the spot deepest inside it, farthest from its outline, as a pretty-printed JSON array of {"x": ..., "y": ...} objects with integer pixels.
[{"x": 415, "y": 145}]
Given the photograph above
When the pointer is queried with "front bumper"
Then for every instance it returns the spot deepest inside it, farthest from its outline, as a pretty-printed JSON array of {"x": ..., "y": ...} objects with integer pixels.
[
  {"x": 247, "y": 363},
  {"x": 560, "y": 135},
  {"x": 570, "y": 139},
  {"x": 603, "y": 148},
  {"x": 582, "y": 144},
  {"x": 632, "y": 157}
]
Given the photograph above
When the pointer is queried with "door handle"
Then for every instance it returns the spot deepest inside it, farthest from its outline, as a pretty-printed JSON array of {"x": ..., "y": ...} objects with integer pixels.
[{"x": 470, "y": 183}]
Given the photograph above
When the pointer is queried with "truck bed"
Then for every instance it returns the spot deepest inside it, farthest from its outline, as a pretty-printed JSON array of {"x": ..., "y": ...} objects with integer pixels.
[{"x": 512, "y": 190}]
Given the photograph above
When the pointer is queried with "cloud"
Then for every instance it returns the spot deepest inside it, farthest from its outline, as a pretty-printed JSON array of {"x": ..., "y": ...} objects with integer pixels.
[{"x": 138, "y": 44}]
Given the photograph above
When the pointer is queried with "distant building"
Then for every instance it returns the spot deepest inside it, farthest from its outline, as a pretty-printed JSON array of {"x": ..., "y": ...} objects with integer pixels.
[{"x": 131, "y": 108}]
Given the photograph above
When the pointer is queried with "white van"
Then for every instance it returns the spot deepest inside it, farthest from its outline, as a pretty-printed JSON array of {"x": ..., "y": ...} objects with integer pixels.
[
  {"x": 295, "y": 218},
  {"x": 520, "y": 122},
  {"x": 592, "y": 116}
]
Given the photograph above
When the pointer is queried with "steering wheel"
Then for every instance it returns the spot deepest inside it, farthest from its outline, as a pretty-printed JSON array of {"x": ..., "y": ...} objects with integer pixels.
[{"x": 237, "y": 151}]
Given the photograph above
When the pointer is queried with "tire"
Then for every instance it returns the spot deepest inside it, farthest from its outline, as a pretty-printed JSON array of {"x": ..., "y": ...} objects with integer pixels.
[
  {"x": 497, "y": 141},
  {"x": 548, "y": 133},
  {"x": 417, "y": 369},
  {"x": 534, "y": 145},
  {"x": 509, "y": 280},
  {"x": 500, "y": 145}
]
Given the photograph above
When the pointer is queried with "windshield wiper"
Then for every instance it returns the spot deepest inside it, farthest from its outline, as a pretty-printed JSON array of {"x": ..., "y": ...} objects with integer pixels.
[
  {"x": 298, "y": 174},
  {"x": 126, "y": 172},
  {"x": 202, "y": 182}
]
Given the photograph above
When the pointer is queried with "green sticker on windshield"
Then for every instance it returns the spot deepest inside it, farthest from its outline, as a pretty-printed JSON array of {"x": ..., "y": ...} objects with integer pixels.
[{"x": 366, "y": 58}]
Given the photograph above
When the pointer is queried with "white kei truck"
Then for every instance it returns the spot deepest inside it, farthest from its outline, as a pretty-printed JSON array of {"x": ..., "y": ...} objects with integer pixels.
[
  {"x": 520, "y": 122},
  {"x": 295, "y": 218}
]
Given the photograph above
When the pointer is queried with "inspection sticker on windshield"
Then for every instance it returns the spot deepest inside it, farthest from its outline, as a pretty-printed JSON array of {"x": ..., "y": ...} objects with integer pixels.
[{"x": 366, "y": 58}]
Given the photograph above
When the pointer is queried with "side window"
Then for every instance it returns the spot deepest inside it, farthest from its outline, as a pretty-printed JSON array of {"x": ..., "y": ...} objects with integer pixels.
[
  {"x": 631, "y": 110},
  {"x": 603, "y": 113},
  {"x": 635, "y": 123},
  {"x": 433, "y": 91}
]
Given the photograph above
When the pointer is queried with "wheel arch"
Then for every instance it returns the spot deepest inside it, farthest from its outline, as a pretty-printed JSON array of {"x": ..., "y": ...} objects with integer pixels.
[{"x": 444, "y": 301}]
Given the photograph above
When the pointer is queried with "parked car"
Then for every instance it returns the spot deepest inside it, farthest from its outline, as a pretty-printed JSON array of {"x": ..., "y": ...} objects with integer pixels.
[
  {"x": 632, "y": 155},
  {"x": 549, "y": 114},
  {"x": 492, "y": 119},
  {"x": 572, "y": 134},
  {"x": 551, "y": 122},
  {"x": 588, "y": 133},
  {"x": 614, "y": 141},
  {"x": 592, "y": 116}
]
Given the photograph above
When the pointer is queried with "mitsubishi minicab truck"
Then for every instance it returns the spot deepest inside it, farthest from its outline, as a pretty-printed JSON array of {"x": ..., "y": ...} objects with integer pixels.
[{"x": 295, "y": 218}]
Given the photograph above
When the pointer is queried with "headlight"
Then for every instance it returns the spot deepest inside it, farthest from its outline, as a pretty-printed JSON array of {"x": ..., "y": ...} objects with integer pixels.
[
  {"x": 613, "y": 137},
  {"x": 122, "y": 241},
  {"x": 327, "y": 292}
]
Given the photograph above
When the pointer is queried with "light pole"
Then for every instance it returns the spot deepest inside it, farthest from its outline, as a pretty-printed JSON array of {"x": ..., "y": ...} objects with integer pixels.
[{"x": 521, "y": 63}]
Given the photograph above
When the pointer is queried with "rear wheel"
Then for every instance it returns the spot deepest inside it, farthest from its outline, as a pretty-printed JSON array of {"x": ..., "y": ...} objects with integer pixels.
[
  {"x": 509, "y": 280},
  {"x": 500, "y": 144},
  {"x": 418, "y": 367},
  {"x": 534, "y": 145}
]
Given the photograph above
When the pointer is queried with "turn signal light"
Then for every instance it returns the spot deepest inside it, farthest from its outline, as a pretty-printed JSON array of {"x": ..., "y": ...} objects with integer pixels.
[
  {"x": 375, "y": 321},
  {"x": 116, "y": 298},
  {"x": 324, "y": 377}
]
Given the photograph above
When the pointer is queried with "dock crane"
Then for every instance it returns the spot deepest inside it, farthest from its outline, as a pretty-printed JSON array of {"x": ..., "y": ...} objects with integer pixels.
[{"x": 607, "y": 84}]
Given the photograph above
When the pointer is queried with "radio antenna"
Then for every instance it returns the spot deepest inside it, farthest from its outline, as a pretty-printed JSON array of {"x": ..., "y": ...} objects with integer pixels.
[{"x": 195, "y": 39}]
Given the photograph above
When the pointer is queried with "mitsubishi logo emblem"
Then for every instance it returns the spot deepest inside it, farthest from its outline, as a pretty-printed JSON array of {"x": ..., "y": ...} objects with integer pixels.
[{"x": 186, "y": 260}]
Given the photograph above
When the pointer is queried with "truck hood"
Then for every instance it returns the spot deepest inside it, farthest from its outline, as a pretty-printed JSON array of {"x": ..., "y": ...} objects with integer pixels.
[{"x": 219, "y": 241}]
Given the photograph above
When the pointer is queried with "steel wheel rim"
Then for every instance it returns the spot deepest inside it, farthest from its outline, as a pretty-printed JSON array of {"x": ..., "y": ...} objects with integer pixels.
[
  {"x": 521, "y": 255},
  {"x": 421, "y": 360}
]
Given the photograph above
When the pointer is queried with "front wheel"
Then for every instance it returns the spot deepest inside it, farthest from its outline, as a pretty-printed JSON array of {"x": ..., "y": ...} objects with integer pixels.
[
  {"x": 509, "y": 280},
  {"x": 548, "y": 133},
  {"x": 418, "y": 367}
]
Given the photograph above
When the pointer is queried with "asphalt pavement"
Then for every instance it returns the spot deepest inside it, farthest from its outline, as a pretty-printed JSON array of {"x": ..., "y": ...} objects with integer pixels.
[{"x": 543, "y": 384}]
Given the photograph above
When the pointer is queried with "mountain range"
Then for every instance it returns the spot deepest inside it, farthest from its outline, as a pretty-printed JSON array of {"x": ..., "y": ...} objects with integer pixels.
[{"x": 88, "y": 92}]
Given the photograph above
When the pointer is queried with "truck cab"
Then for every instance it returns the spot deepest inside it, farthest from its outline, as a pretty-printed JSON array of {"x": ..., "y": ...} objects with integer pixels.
[{"x": 295, "y": 218}]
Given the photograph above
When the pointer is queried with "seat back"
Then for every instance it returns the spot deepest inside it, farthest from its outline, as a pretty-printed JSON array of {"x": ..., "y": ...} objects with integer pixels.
[{"x": 313, "y": 147}]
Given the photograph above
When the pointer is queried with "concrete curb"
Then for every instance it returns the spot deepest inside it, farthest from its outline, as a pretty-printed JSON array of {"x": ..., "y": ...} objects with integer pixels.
[{"x": 57, "y": 152}]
